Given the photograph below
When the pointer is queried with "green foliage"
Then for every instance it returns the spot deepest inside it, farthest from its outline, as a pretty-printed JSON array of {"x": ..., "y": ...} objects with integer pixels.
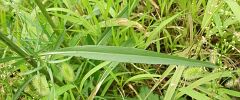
[{"x": 119, "y": 49}]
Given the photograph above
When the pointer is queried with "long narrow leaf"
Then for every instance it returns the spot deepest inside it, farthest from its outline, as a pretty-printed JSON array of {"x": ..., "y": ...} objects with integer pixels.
[
  {"x": 104, "y": 76},
  {"x": 64, "y": 88},
  {"x": 163, "y": 76},
  {"x": 174, "y": 83},
  {"x": 230, "y": 92},
  {"x": 212, "y": 7},
  {"x": 126, "y": 54},
  {"x": 194, "y": 94},
  {"x": 92, "y": 71}
]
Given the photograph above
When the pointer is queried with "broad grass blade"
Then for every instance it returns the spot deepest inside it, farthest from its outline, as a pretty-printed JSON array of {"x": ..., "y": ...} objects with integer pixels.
[{"x": 126, "y": 54}]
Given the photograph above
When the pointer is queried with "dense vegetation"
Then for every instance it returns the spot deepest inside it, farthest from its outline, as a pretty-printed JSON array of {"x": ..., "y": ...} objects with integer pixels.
[{"x": 119, "y": 49}]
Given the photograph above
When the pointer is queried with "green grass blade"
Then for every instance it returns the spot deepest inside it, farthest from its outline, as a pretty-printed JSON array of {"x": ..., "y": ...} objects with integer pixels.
[
  {"x": 52, "y": 88},
  {"x": 102, "y": 79},
  {"x": 106, "y": 88},
  {"x": 141, "y": 77},
  {"x": 78, "y": 20},
  {"x": 68, "y": 11},
  {"x": 45, "y": 13},
  {"x": 194, "y": 94},
  {"x": 105, "y": 36},
  {"x": 126, "y": 54},
  {"x": 164, "y": 75},
  {"x": 19, "y": 91},
  {"x": 230, "y": 92},
  {"x": 31, "y": 71},
  {"x": 174, "y": 82},
  {"x": 211, "y": 76},
  {"x": 209, "y": 92},
  {"x": 212, "y": 7},
  {"x": 92, "y": 71},
  {"x": 61, "y": 90},
  {"x": 204, "y": 80},
  {"x": 160, "y": 26},
  {"x": 59, "y": 61},
  {"x": 7, "y": 59},
  {"x": 234, "y": 7},
  {"x": 107, "y": 33}
]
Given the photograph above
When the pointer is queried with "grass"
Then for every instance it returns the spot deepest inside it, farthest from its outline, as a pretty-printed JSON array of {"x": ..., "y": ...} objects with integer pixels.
[{"x": 119, "y": 49}]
